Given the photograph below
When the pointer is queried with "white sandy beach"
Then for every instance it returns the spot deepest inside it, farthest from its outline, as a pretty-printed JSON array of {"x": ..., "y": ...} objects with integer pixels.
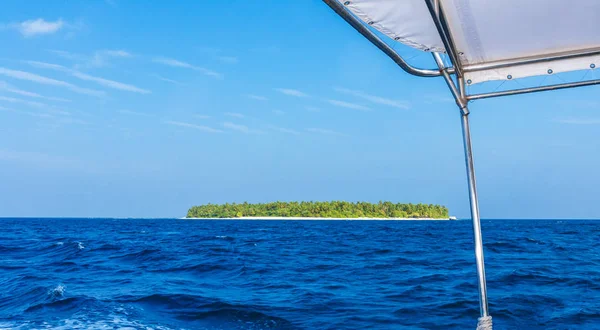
[{"x": 314, "y": 218}]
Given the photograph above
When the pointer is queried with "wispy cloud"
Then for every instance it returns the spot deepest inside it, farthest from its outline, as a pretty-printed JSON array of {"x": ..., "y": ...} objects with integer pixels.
[
  {"x": 325, "y": 131},
  {"x": 110, "y": 83},
  {"x": 72, "y": 121},
  {"x": 117, "y": 53},
  {"x": 84, "y": 76},
  {"x": 312, "y": 109},
  {"x": 194, "y": 126},
  {"x": 291, "y": 92},
  {"x": 349, "y": 105},
  {"x": 23, "y": 75},
  {"x": 285, "y": 130},
  {"x": 278, "y": 112},
  {"x": 6, "y": 87},
  {"x": 375, "y": 99},
  {"x": 218, "y": 54},
  {"x": 234, "y": 114},
  {"x": 99, "y": 58},
  {"x": 578, "y": 121},
  {"x": 29, "y": 113},
  {"x": 257, "y": 97},
  {"x": 241, "y": 128},
  {"x": 35, "y": 27},
  {"x": 185, "y": 65},
  {"x": 167, "y": 79},
  {"x": 20, "y": 101},
  {"x": 228, "y": 59}
]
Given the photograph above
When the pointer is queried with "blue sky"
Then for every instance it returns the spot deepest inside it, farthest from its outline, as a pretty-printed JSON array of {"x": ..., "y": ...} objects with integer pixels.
[{"x": 142, "y": 109}]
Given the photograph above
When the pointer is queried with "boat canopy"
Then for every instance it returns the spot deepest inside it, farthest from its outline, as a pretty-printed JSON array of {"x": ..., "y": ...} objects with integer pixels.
[{"x": 492, "y": 39}]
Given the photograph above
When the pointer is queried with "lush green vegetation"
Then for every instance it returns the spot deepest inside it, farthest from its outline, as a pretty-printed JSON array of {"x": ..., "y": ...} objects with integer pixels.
[{"x": 335, "y": 209}]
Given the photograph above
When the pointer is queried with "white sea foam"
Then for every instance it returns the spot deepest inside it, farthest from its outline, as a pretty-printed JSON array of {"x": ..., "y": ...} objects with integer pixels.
[
  {"x": 59, "y": 243},
  {"x": 58, "y": 291},
  {"x": 80, "y": 246},
  {"x": 111, "y": 322}
]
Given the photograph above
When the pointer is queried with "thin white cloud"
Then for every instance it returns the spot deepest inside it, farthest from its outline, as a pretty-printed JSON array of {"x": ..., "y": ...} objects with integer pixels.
[
  {"x": 234, "y": 114},
  {"x": 217, "y": 53},
  {"x": 185, "y": 65},
  {"x": 349, "y": 105},
  {"x": 23, "y": 75},
  {"x": 110, "y": 83},
  {"x": 229, "y": 59},
  {"x": 325, "y": 131},
  {"x": 59, "y": 112},
  {"x": 278, "y": 112},
  {"x": 20, "y": 101},
  {"x": 257, "y": 97},
  {"x": 102, "y": 58},
  {"x": 291, "y": 92},
  {"x": 67, "y": 55},
  {"x": 72, "y": 121},
  {"x": 29, "y": 113},
  {"x": 84, "y": 76},
  {"x": 375, "y": 99},
  {"x": 167, "y": 79},
  {"x": 312, "y": 109},
  {"x": 241, "y": 128},
  {"x": 117, "y": 53},
  {"x": 194, "y": 126},
  {"x": 40, "y": 26},
  {"x": 578, "y": 121},
  {"x": 285, "y": 130},
  {"x": 44, "y": 65},
  {"x": 6, "y": 87},
  {"x": 99, "y": 58}
]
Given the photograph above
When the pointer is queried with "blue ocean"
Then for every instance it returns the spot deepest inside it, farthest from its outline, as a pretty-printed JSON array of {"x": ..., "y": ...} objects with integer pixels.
[{"x": 202, "y": 274}]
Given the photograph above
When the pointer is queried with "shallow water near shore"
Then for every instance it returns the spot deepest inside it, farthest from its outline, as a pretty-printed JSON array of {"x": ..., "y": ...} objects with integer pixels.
[{"x": 237, "y": 274}]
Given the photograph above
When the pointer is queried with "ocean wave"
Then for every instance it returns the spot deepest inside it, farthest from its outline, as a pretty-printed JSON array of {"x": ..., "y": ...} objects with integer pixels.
[
  {"x": 143, "y": 255},
  {"x": 71, "y": 304},
  {"x": 211, "y": 311}
]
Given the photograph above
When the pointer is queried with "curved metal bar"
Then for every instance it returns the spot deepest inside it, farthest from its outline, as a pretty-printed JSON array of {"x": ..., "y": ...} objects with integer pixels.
[{"x": 375, "y": 40}]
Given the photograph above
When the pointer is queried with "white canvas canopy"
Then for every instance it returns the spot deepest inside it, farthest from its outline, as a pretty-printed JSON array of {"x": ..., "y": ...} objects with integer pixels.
[{"x": 492, "y": 33}]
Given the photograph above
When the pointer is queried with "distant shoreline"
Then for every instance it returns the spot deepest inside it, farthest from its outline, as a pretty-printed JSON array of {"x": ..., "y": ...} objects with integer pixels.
[{"x": 317, "y": 218}]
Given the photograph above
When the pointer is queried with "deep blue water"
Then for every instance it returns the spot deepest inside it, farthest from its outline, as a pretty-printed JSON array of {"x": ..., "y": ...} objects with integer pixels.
[{"x": 178, "y": 274}]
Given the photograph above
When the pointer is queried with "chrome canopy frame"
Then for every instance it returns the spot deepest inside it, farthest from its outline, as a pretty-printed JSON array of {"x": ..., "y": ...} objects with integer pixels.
[
  {"x": 458, "y": 69},
  {"x": 455, "y": 80}
]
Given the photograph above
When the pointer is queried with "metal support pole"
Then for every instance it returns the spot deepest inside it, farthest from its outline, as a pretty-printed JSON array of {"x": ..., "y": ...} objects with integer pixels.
[{"x": 485, "y": 321}]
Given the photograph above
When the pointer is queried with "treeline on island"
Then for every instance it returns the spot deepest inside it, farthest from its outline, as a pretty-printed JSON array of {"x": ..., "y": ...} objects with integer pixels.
[{"x": 334, "y": 209}]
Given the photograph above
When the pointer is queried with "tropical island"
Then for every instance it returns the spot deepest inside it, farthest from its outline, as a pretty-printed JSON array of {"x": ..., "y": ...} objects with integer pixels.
[{"x": 310, "y": 210}]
